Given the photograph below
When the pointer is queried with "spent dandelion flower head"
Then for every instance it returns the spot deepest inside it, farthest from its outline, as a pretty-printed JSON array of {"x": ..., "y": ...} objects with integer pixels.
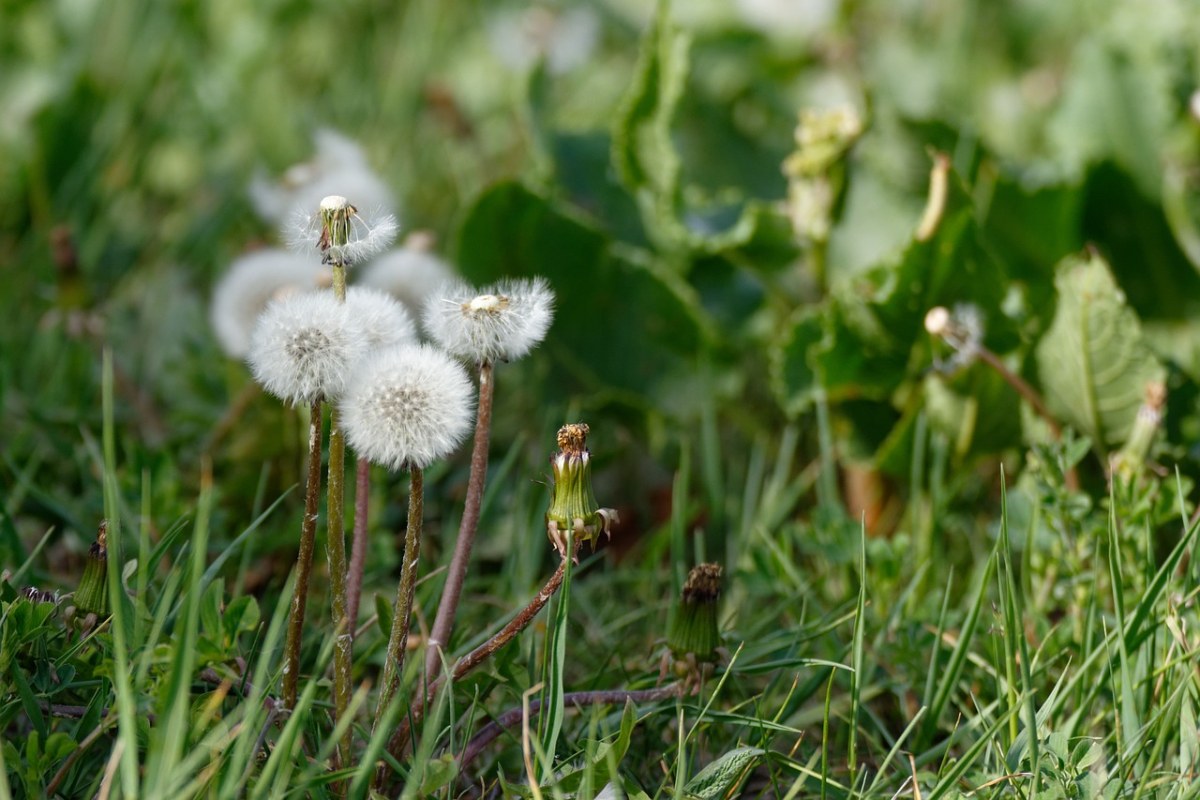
[
  {"x": 407, "y": 406},
  {"x": 384, "y": 322},
  {"x": 410, "y": 274},
  {"x": 339, "y": 233},
  {"x": 251, "y": 282},
  {"x": 500, "y": 322},
  {"x": 304, "y": 347}
]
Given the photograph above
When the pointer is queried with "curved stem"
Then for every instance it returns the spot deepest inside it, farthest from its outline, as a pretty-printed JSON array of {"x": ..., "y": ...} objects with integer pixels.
[
  {"x": 358, "y": 547},
  {"x": 308, "y": 532},
  {"x": 477, "y": 656},
  {"x": 443, "y": 623},
  {"x": 512, "y": 716},
  {"x": 393, "y": 665}
]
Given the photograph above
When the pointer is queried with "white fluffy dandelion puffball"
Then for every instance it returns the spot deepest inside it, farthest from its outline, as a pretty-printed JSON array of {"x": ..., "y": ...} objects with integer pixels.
[
  {"x": 497, "y": 323},
  {"x": 382, "y": 319},
  {"x": 304, "y": 348},
  {"x": 409, "y": 274},
  {"x": 339, "y": 166},
  {"x": 407, "y": 407},
  {"x": 251, "y": 282}
]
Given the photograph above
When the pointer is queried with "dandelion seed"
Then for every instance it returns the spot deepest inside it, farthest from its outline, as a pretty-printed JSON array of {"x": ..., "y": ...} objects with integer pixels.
[
  {"x": 409, "y": 274},
  {"x": 407, "y": 407},
  {"x": 498, "y": 323},
  {"x": 339, "y": 166},
  {"x": 304, "y": 348},
  {"x": 382, "y": 319},
  {"x": 250, "y": 283},
  {"x": 339, "y": 233}
]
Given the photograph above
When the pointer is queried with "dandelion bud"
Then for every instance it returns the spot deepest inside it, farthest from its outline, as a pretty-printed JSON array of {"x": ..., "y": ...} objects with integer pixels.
[
  {"x": 92, "y": 594},
  {"x": 1132, "y": 457},
  {"x": 498, "y": 323},
  {"x": 694, "y": 628},
  {"x": 573, "y": 507},
  {"x": 304, "y": 348},
  {"x": 407, "y": 407}
]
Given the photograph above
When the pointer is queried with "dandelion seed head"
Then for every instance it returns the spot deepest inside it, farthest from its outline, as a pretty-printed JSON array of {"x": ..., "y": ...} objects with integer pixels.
[
  {"x": 409, "y": 274},
  {"x": 498, "y": 323},
  {"x": 339, "y": 166},
  {"x": 250, "y": 283},
  {"x": 304, "y": 348},
  {"x": 383, "y": 320},
  {"x": 962, "y": 329},
  {"x": 407, "y": 406}
]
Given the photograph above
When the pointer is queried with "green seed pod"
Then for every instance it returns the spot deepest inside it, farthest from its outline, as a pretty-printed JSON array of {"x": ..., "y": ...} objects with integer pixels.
[
  {"x": 92, "y": 594},
  {"x": 573, "y": 507},
  {"x": 694, "y": 628}
]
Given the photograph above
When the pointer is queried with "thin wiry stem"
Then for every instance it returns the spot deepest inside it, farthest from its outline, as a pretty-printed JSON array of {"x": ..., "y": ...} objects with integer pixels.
[
  {"x": 358, "y": 545},
  {"x": 336, "y": 549},
  {"x": 512, "y": 716},
  {"x": 477, "y": 656},
  {"x": 308, "y": 533},
  {"x": 393, "y": 665},
  {"x": 443, "y": 623}
]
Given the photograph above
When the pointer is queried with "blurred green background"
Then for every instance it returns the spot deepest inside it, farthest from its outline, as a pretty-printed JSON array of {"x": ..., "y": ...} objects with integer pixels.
[{"x": 634, "y": 157}]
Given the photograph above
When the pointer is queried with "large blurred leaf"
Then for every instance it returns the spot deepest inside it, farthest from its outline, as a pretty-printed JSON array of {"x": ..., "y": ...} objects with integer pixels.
[
  {"x": 621, "y": 324},
  {"x": 873, "y": 321},
  {"x": 1093, "y": 363},
  {"x": 1132, "y": 232},
  {"x": 644, "y": 155}
]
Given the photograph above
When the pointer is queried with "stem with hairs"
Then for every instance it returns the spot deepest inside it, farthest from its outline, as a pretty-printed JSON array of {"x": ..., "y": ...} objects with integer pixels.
[
  {"x": 443, "y": 624},
  {"x": 336, "y": 549},
  {"x": 358, "y": 542},
  {"x": 308, "y": 533},
  {"x": 393, "y": 665}
]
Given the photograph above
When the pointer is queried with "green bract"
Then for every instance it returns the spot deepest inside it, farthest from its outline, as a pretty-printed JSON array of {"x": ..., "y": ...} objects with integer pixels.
[{"x": 573, "y": 506}]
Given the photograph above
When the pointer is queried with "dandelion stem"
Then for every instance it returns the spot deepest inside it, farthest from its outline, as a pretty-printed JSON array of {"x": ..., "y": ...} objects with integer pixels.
[
  {"x": 443, "y": 623},
  {"x": 336, "y": 549},
  {"x": 358, "y": 547},
  {"x": 308, "y": 531},
  {"x": 471, "y": 660},
  {"x": 393, "y": 665}
]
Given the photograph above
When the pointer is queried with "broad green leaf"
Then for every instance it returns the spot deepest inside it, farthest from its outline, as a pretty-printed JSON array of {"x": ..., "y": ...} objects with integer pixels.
[
  {"x": 1093, "y": 363},
  {"x": 719, "y": 777},
  {"x": 607, "y": 307}
]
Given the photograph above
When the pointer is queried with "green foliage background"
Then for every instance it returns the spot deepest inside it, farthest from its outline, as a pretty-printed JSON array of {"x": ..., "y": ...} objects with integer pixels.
[{"x": 737, "y": 376}]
